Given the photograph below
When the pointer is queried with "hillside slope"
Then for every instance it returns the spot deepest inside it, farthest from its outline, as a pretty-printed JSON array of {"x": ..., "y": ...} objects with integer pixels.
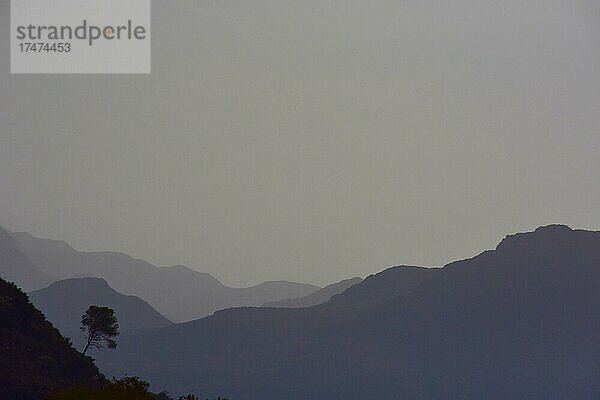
[
  {"x": 34, "y": 357},
  {"x": 388, "y": 283}
]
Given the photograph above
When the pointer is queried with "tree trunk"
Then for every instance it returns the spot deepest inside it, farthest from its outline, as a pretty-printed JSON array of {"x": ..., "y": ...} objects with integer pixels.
[{"x": 86, "y": 346}]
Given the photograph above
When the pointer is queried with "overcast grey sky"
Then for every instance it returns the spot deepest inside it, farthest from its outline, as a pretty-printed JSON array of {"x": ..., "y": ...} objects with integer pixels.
[{"x": 314, "y": 140}]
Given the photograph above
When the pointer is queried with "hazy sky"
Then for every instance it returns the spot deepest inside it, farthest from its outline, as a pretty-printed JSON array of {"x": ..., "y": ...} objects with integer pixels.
[{"x": 314, "y": 140}]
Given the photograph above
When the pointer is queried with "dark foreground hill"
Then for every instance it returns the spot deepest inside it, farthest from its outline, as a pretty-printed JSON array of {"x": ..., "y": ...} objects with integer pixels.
[
  {"x": 34, "y": 357},
  {"x": 317, "y": 297},
  {"x": 521, "y": 321},
  {"x": 179, "y": 293},
  {"x": 64, "y": 302}
]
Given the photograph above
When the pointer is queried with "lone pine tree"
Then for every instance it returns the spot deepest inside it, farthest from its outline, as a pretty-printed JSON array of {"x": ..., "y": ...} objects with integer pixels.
[{"x": 100, "y": 326}]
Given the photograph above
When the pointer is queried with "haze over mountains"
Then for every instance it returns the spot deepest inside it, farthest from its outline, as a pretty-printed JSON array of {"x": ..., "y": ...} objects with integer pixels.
[
  {"x": 520, "y": 321},
  {"x": 15, "y": 266},
  {"x": 178, "y": 293},
  {"x": 317, "y": 297}
]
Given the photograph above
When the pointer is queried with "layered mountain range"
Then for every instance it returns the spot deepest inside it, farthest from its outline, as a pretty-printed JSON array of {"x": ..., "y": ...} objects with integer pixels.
[
  {"x": 179, "y": 293},
  {"x": 317, "y": 297},
  {"x": 519, "y": 321}
]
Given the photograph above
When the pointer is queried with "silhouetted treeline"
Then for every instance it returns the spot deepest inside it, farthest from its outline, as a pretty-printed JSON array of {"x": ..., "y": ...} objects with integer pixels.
[{"x": 128, "y": 388}]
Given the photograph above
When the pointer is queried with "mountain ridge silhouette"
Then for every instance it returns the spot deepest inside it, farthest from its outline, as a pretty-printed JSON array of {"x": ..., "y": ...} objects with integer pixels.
[
  {"x": 519, "y": 321},
  {"x": 179, "y": 293}
]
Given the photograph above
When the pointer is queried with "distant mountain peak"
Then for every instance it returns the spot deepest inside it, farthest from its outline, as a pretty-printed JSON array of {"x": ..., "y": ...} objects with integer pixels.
[
  {"x": 553, "y": 232},
  {"x": 83, "y": 282},
  {"x": 554, "y": 228}
]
